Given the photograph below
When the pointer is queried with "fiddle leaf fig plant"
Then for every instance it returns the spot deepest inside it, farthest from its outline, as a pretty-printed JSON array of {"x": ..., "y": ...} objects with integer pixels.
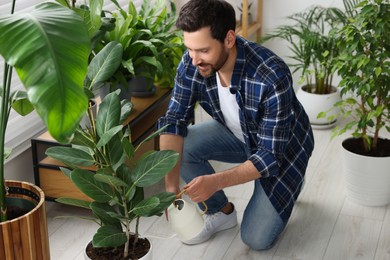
[
  {"x": 49, "y": 48},
  {"x": 116, "y": 185}
]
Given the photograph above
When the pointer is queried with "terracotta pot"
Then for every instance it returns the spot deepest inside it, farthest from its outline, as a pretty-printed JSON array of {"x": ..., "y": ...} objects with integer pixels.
[
  {"x": 25, "y": 237},
  {"x": 316, "y": 103},
  {"x": 367, "y": 179}
]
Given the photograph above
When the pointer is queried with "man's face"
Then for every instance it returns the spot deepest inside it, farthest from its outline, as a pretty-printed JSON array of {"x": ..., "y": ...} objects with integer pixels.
[{"x": 208, "y": 54}]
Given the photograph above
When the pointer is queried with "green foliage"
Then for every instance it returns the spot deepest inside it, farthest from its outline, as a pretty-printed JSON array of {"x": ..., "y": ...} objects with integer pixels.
[
  {"x": 48, "y": 47},
  {"x": 364, "y": 66},
  {"x": 152, "y": 47},
  {"x": 312, "y": 44},
  {"x": 116, "y": 185}
]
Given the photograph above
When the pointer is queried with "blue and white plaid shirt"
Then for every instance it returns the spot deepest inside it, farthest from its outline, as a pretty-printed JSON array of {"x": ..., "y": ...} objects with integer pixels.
[{"x": 276, "y": 129}]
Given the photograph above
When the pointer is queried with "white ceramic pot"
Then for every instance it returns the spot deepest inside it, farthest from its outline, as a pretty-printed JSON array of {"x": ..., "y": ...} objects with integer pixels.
[
  {"x": 316, "y": 103},
  {"x": 148, "y": 256},
  {"x": 367, "y": 179}
]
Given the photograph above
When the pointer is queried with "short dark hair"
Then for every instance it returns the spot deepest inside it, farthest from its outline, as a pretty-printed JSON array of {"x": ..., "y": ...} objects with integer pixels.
[{"x": 219, "y": 15}]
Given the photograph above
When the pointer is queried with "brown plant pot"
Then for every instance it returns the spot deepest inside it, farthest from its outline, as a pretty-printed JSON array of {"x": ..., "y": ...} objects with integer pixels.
[{"x": 25, "y": 237}]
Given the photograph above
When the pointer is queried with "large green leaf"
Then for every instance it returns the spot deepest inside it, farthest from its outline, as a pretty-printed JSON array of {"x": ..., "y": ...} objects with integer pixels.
[
  {"x": 49, "y": 49},
  {"x": 109, "y": 236},
  {"x": 86, "y": 182},
  {"x": 145, "y": 206},
  {"x": 101, "y": 211},
  {"x": 70, "y": 156},
  {"x": 153, "y": 167},
  {"x": 166, "y": 199},
  {"x": 105, "y": 63},
  {"x": 109, "y": 114}
]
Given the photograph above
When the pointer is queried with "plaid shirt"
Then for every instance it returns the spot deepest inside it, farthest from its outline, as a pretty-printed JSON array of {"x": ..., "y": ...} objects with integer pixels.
[{"x": 276, "y": 129}]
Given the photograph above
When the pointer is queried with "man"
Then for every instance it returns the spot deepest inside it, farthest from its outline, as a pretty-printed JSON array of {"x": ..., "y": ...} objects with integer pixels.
[{"x": 257, "y": 122}]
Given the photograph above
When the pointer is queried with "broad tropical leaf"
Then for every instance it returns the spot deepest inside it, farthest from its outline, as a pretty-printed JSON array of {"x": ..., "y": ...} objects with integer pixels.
[
  {"x": 104, "y": 64},
  {"x": 166, "y": 199},
  {"x": 51, "y": 61},
  {"x": 86, "y": 182},
  {"x": 153, "y": 167},
  {"x": 70, "y": 156},
  {"x": 75, "y": 202},
  {"x": 109, "y": 114},
  {"x": 145, "y": 206},
  {"x": 109, "y": 236}
]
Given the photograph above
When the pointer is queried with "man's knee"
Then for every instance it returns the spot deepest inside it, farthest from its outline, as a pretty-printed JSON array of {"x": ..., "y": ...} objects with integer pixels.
[
  {"x": 259, "y": 242},
  {"x": 263, "y": 236}
]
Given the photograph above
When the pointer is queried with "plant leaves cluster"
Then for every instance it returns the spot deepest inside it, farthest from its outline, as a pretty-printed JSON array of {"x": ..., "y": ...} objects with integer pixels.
[
  {"x": 48, "y": 46},
  {"x": 152, "y": 47},
  {"x": 312, "y": 44},
  {"x": 364, "y": 67},
  {"x": 117, "y": 181}
]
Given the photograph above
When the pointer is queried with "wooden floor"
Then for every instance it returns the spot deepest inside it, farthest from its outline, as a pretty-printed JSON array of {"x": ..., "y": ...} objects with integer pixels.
[{"x": 324, "y": 224}]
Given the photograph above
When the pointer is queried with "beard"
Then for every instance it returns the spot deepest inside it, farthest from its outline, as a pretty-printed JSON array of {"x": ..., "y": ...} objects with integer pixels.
[{"x": 208, "y": 69}]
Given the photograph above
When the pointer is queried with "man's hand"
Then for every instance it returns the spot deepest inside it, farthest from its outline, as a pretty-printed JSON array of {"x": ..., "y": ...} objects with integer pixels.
[{"x": 201, "y": 188}]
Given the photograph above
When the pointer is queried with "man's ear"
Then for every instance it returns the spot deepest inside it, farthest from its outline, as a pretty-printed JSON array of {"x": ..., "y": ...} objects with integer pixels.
[{"x": 230, "y": 39}]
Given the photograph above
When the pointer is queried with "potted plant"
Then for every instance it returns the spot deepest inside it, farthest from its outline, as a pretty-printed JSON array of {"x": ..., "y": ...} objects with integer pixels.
[
  {"x": 117, "y": 184},
  {"x": 152, "y": 47},
  {"x": 364, "y": 66},
  {"x": 52, "y": 74},
  {"x": 313, "y": 47}
]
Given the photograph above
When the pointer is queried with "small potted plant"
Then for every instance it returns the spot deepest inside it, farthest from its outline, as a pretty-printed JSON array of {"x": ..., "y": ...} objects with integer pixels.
[
  {"x": 364, "y": 67},
  {"x": 53, "y": 75},
  {"x": 313, "y": 47},
  {"x": 116, "y": 186},
  {"x": 152, "y": 48}
]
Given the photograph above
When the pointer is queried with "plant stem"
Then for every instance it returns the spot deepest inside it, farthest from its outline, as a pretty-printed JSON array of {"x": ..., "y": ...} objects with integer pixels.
[
  {"x": 4, "y": 115},
  {"x": 127, "y": 224}
]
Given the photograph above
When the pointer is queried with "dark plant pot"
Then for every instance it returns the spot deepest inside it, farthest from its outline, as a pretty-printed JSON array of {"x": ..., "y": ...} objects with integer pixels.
[
  {"x": 125, "y": 93},
  {"x": 25, "y": 237},
  {"x": 141, "y": 86}
]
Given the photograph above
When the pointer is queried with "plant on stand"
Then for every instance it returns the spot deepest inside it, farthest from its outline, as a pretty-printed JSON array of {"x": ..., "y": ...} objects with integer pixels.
[
  {"x": 117, "y": 185},
  {"x": 152, "y": 47},
  {"x": 53, "y": 75},
  {"x": 313, "y": 47},
  {"x": 364, "y": 66}
]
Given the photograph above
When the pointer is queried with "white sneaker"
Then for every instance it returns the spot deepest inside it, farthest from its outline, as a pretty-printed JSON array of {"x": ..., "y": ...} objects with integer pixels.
[{"x": 214, "y": 223}]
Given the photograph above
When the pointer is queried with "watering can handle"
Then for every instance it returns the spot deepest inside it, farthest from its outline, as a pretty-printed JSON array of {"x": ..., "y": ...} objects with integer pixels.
[{"x": 204, "y": 204}]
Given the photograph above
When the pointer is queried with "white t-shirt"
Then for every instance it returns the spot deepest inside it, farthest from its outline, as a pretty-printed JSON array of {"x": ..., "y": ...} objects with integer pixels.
[{"x": 229, "y": 108}]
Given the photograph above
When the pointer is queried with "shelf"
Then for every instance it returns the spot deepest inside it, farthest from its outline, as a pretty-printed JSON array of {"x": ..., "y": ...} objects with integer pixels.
[{"x": 247, "y": 30}]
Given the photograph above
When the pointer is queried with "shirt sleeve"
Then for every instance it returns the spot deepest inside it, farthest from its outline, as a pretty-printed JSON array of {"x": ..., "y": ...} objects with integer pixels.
[
  {"x": 274, "y": 122},
  {"x": 180, "y": 112}
]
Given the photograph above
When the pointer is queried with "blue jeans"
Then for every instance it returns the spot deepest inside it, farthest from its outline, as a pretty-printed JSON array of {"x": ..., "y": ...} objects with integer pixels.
[{"x": 261, "y": 224}]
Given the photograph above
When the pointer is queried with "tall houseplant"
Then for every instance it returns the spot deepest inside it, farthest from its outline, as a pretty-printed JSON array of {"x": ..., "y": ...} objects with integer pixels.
[
  {"x": 313, "y": 47},
  {"x": 364, "y": 67},
  {"x": 117, "y": 185},
  {"x": 48, "y": 47}
]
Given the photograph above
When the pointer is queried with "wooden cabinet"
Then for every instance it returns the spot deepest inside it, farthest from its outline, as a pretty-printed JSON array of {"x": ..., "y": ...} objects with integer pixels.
[
  {"x": 247, "y": 29},
  {"x": 142, "y": 121}
]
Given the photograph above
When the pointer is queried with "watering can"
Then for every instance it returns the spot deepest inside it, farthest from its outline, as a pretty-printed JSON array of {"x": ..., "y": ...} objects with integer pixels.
[{"x": 185, "y": 218}]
